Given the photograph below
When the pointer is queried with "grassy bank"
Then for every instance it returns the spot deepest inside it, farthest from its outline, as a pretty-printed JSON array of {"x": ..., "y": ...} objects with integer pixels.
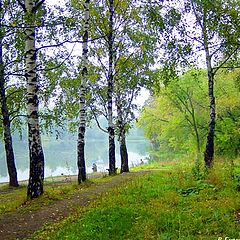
[
  {"x": 169, "y": 204},
  {"x": 55, "y": 188}
]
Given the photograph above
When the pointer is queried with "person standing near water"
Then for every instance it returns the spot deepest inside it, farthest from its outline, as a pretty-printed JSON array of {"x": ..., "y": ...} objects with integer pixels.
[{"x": 94, "y": 167}]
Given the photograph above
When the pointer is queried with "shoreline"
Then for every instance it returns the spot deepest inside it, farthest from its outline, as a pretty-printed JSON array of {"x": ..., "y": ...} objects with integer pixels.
[{"x": 63, "y": 178}]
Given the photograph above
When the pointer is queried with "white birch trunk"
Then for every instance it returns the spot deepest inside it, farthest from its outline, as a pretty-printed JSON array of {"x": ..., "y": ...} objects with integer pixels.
[
  {"x": 111, "y": 134},
  {"x": 36, "y": 174},
  {"x": 82, "y": 124},
  {"x": 122, "y": 136},
  {"x": 209, "y": 150}
]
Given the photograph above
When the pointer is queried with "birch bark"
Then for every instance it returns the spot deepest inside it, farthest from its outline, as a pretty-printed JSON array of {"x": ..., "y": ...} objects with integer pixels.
[
  {"x": 111, "y": 134},
  {"x": 122, "y": 136},
  {"x": 36, "y": 173},
  {"x": 203, "y": 23},
  {"x": 209, "y": 150},
  {"x": 82, "y": 124}
]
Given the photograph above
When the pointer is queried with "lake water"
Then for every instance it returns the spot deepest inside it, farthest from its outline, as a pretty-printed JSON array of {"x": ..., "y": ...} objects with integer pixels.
[{"x": 60, "y": 156}]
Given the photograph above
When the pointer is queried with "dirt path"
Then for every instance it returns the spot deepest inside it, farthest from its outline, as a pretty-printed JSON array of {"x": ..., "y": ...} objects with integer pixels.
[{"x": 22, "y": 225}]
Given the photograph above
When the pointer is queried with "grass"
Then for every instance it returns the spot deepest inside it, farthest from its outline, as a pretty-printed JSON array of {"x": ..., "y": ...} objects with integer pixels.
[
  {"x": 55, "y": 188},
  {"x": 154, "y": 165},
  {"x": 176, "y": 203},
  {"x": 11, "y": 198},
  {"x": 15, "y": 199},
  {"x": 171, "y": 204}
]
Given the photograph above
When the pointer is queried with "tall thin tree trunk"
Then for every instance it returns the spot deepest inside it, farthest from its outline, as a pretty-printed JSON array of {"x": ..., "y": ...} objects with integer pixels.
[
  {"x": 209, "y": 150},
  {"x": 12, "y": 172},
  {"x": 123, "y": 152},
  {"x": 111, "y": 134},
  {"x": 122, "y": 137},
  {"x": 82, "y": 124},
  {"x": 36, "y": 174}
]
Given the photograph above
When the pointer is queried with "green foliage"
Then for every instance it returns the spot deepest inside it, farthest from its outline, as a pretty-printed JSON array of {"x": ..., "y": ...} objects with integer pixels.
[
  {"x": 199, "y": 171},
  {"x": 16, "y": 107},
  {"x": 176, "y": 117},
  {"x": 133, "y": 54},
  {"x": 213, "y": 26},
  {"x": 236, "y": 177},
  {"x": 228, "y": 123},
  {"x": 196, "y": 189}
]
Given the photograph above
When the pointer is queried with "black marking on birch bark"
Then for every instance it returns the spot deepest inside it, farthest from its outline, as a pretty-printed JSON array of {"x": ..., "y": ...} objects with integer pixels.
[
  {"x": 34, "y": 79},
  {"x": 35, "y": 186},
  {"x": 30, "y": 51},
  {"x": 85, "y": 36},
  {"x": 32, "y": 35},
  {"x": 33, "y": 113},
  {"x": 34, "y": 57},
  {"x": 81, "y": 132},
  {"x": 30, "y": 73},
  {"x": 84, "y": 71},
  {"x": 81, "y": 157},
  {"x": 33, "y": 100},
  {"x": 33, "y": 83}
]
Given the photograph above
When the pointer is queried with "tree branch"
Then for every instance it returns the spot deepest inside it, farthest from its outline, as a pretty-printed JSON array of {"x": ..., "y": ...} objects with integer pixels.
[
  {"x": 67, "y": 41},
  {"x": 22, "y": 5},
  {"x": 96, "y": 119},
  {"x": 221, "y": 65},
  {"x": 59, "y": 65},
  {"x": 19, "y": 115},
  {"x": 12, "y": 93},
  {"x": 37, "y": 6}
]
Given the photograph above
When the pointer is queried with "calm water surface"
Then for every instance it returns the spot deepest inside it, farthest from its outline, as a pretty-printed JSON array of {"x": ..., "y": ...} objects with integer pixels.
[{"x": 60, "y": 156}]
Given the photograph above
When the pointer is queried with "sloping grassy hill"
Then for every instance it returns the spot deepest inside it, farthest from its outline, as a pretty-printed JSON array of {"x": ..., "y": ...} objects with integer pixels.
[{"x": 175, "y": 203}]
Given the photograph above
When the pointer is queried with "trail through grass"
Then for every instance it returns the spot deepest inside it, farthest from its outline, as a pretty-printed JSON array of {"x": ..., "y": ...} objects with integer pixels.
[{"x": 162, "y": 205}]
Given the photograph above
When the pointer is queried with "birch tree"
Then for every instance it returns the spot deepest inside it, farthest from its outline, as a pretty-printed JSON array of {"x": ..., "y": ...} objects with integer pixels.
[
  {"x": 203, "y": 32},
  {"x": 82, "y": 125},
  {"x": 132, "y": 73},
  {"x": 111, "y": 134},
  {"x": 124, "y": 53},
  {"x": 4, "y": 106},
  {"x": 211, "y": 19},
  {"x": 103, "y": 87},
  {"x": 36, "y": 156},
  {"x": 122, "y": 140}
]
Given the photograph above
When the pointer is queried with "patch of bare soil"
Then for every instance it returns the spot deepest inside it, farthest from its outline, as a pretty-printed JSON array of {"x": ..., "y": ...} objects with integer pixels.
[{"x": 23, "y": 225}]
